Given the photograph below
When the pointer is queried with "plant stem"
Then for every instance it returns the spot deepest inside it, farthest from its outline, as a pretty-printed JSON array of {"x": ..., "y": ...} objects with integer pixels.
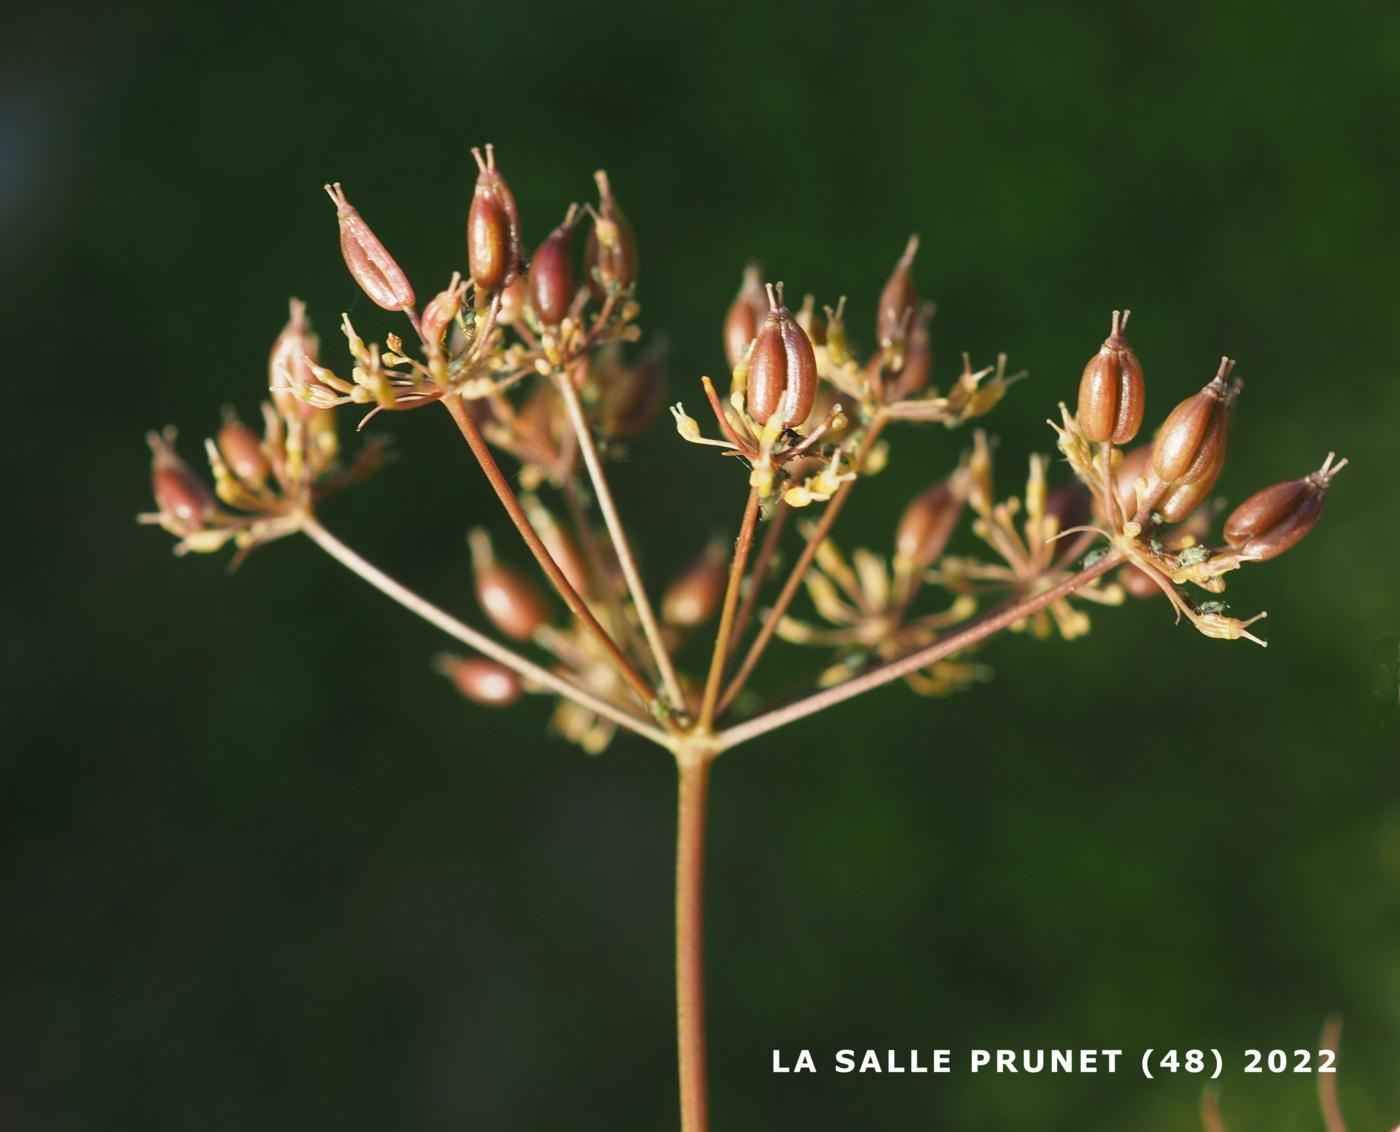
[
  {"x": 577, "y": 606},
  {"x": 690, "y": 938},
  {"x": 474, "y": 639},
  {"x": 766, "y": 550},
  {"x": 800, "y": 567},
  {"x": 886, "y": 673},
  {"x": 623, "y": 548},
  {"x": 726, "y": 617}
]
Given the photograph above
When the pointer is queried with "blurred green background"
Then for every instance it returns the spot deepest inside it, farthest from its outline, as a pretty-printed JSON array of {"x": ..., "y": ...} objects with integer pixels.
[{"x": 262, "y": 869}]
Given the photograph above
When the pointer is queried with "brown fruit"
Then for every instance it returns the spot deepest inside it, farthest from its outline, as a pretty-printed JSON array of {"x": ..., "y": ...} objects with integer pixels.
[
  {"x": 745, "y": 314},
  {"x": 1112, "y": 394},
  {"x": 510, "y": 600},
  {"x": 1193, "y": 440},
  {"x": 610, "y": 251},
  {"x": 782, "y": 368},
  {"x": 493, "y": 227},
  {"x": 552, "y": 285},
  {"x": 693, "y": 597},
  {"x": 369, "y": 261},
  {"x": 1275, "y": 519},
  {"x": 242, "y": 451},
  {"x": 927, "y": 525},
  {"x": 482, "y": 681},
  {"x": 898, "y": 298}
]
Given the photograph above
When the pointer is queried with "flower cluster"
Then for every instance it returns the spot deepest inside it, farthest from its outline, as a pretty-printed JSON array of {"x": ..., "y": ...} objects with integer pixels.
[{"x": 533, "y": 358}]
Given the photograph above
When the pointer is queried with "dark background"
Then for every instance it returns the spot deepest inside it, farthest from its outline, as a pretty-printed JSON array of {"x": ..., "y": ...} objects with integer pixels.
[{"x": 261, "y": 869}]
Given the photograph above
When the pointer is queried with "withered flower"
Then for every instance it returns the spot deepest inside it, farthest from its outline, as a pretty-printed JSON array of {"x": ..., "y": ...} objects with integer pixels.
[
  {"x": 1112, "y": 394},
  {"x": 782, "y": 368},
  {"x": 369, "y": 261},
  {"x": 493, "y": 227},
  {"x": 1275, "y": 519}
]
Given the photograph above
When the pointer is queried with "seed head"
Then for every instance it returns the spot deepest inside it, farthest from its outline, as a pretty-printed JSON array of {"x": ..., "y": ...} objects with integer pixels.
[
  {"x": 1112, "y": 394},
  {"x": 693, "y": 597},
  {"x": 927, "y": 524},
  {"x": 1194, "y": 439},
  {"x": 899, "y": 300},
  {"x": 610, "y": 251},
  {"x": 1273, "y": 520},
  {"x": 782, "y": 367},
  {"x": 369, "y": 261},
  {"x": 552, "y": 273},
  {"x": 482, "y": 681},
  {"x": 745, "y": 313},
  {"x": 242, "y": 451},
  {"x": 512, "y": 602},
  {"x": 493, "y": 227}
]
